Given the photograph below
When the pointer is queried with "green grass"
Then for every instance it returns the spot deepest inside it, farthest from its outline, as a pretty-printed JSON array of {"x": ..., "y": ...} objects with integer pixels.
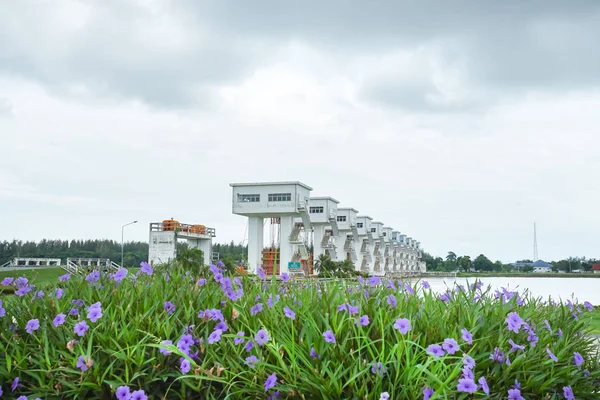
[
  {"x": 38, "y": 277},
  {"x": 593, "y": 319}
]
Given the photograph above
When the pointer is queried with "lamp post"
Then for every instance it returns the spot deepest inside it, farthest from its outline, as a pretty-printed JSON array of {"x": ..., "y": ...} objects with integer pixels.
[{"x": 122, "y": 236}]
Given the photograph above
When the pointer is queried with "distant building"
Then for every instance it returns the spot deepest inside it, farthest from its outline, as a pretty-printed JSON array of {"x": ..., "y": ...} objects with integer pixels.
[
  {"x": 539, "y": 266},
  {"x": 596, "y": 268}
]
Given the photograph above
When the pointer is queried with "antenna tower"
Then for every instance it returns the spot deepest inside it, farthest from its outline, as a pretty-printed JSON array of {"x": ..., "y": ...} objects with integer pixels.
[{"x": 535, "y": 248}]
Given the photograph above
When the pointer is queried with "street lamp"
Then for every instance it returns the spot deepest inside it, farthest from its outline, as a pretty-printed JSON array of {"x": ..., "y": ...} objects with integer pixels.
[{"x": 122, "y": 236}]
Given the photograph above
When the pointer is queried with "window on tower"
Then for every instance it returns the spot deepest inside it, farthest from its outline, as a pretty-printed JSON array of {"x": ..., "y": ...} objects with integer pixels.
[
  {"x": 248, "y": 198},
  {"x": 280, "y": 197}
]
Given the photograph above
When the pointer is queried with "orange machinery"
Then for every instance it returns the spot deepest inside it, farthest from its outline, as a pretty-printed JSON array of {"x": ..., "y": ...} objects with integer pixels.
[
  {"x": 174, "y": 225},
  {"x": 270, "y": 257}
]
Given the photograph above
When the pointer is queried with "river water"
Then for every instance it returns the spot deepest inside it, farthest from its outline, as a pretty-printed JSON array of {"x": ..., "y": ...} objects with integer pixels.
[{"x": 582, "y": 289}]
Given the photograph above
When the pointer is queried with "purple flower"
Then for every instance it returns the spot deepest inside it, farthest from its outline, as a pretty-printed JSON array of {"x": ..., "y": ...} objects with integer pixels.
[
  {"x": 185, "y": 343},
  {"x": 559, "y": 333},
  {"x": 392, "y": 301},
  {"x": 170, "y": 307},
  {"x": 384, "y": 396},
  {"x": 94, "y": 313},
  {"x": 497, "y": 356},
  {"x": 466, "y": 385},
  {"x": 138, "y": 395},
  {"x": 445, "y": 297},
  {"x": 185, "y": 366},
  {"x": 59, "y": 320},
  {"x": 468, "y": 361},
  {"x": 270, "y": 382},
  {"x": 93, "y": 277},
  {"x": 64, "y": 277},
  {"x": 163, "y": 350},
  {"x": 353, "y": 310},
  {"x": 514, "y": 322},
  {"x": 81, "y": 328},
  {"x": 256, "y": 309},
  {"x": 201, "y": 282},
  {"x": 7, "y": 281},
  {"x": 261, "y": 337},
  {"x": 547, "y": 325},
  {"x": 588, "y": 305},
  {"x": 215, "y": 336},
  {"x": 568, "y": 393},
  {"x": 329, "y": 336},
  {"x": 314, "y": 354},
  {"x": 378, "y": 369},
  {"x": 123, "y": 393},
  {"x": 239, "y": 339},
  {"x": 289, "y": 313},
  {"x": 515, "y": 394},
  {"x": 249, "y": 346},
  {"x": 32, "y": 325},
  {"x": 403, "y": 325},
  {"x": 82, "y": 363},
  {"x": 435, "y": 350},
  {"x": 40, "y": 294},
  {"x": 285, "y": 277},
  {"x": 577, "y": 359},
  {"x": 146, "y": 269},
  {"x": 515, "y": 346},
  {"x": 484, "y": 385},
  {"x": 119, "y": 275},
  {"x": 2, "y": 310},
  {"x": 251, "y": 361},
  {"x": 15, "y": 384},
  {"x": 363, "y": 321},
  {"x": 468, "y": 373},
  {"x": 425, "y": 285},
  {"x": 466, "y": 336},
  {"x": 22, "y": 282},
  {"x": 261, "y": 273},
  {"x": 427, "y": 393},
  {"x": 342, "y": 307},
  {"x": 450, "y": 345},
  {"x": 551, "y": 355}
]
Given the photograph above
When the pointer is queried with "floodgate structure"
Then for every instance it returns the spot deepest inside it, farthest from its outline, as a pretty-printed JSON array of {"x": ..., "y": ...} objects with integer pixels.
[{"x": 301, "y": 228}]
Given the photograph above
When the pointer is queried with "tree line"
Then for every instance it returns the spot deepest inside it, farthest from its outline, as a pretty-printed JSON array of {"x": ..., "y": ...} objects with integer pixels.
[
  {"x": 133, "y": 252},
  {"x": 452, "y": 262}
]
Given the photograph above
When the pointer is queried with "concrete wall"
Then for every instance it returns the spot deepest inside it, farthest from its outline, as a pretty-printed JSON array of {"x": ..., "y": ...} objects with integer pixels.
[{"x": 163, "y": 247}]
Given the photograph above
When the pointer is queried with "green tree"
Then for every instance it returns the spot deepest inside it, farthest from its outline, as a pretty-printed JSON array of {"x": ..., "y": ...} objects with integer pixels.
[{"x": 482, "y": 263}]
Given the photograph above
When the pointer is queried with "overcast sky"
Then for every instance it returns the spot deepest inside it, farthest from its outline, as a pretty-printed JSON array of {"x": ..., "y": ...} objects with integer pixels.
[{"x": 457, "y": 122}]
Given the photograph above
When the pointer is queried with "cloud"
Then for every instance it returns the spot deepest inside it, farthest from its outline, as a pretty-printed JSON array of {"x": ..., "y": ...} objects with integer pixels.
[{"x": 177, "y": 54}]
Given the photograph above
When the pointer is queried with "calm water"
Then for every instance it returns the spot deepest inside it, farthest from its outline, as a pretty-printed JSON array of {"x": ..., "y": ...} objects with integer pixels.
[{"x": 559, "y": 288}]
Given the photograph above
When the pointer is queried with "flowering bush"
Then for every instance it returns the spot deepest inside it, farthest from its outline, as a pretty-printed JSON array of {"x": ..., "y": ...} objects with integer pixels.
[{"x": 170, "y": 334}]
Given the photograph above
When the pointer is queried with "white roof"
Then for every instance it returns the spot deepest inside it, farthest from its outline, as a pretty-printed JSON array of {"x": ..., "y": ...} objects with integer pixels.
[
  {"x": 325, "y": 198},
  {"x": 272, "y": 184}
]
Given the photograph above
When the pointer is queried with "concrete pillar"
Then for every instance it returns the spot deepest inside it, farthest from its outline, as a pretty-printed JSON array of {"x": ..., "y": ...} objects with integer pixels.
[
  {"x": 339, "y": 244},
  {"x": 206, "y": 246},
  {"x": 255, "y": 243},
  {"x": 318, "y": 233},
  {"x": 357, "y": 250},
  {"x": 285, "y": 247}
]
